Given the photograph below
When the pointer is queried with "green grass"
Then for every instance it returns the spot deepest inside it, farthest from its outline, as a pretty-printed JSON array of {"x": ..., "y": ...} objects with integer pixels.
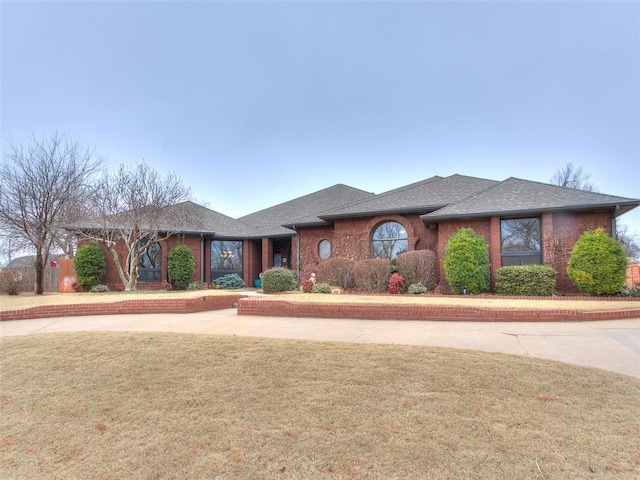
[{"x": 151, "y": 405}]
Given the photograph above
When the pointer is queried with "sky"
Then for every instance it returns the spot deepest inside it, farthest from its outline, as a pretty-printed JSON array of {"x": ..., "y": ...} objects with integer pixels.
[{"x": 255, "y": 103}]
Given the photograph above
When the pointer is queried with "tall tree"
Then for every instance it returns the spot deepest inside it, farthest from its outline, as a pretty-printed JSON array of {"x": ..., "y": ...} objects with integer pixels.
[
  {"x": 573, "y": 177},
  {"x": 131, "y": 209},
  {"x": 42, "y": 181}
]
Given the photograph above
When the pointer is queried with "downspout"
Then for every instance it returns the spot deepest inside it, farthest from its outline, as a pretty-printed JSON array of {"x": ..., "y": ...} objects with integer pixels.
[{"x": 201, "y": 258}]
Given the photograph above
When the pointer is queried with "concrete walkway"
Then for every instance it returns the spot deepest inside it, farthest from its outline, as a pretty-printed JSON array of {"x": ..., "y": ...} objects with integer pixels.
[{"x": 612, "y": 345}]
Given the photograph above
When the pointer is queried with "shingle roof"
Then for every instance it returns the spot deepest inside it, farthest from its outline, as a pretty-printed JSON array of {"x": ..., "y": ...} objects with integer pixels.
[
  {"x": 270, "y": 221},
  {"x": 190, "y": 217},
  {"x": 420, "y": 197},
  {"x": 515, "y": 196}
]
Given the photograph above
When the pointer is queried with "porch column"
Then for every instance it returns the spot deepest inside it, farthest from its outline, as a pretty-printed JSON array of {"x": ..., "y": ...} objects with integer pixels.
[
  {"x": 267, "y": 253},
  {"x": 494, "y": 248}
]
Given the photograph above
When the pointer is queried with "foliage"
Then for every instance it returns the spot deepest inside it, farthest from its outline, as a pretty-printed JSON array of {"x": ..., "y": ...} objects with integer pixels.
[
  {"x": 99, "y": 288},
  {"x": 195, "y": 286},
  {"x": 230, "y": 281},
  {"x": 44, "y": 186},
  {"x": 89, "y": 265},
  {"x": 307, "y": 286},
  {"x": 278, "y": 279},
  {"x": 336, "y": 271},
  {"x": 321, "y": 288},
  {"x": 164, "y": 285},
  {"x": 466, "y": 262},
  {"x": 418, "y": 266},
  {"x": 372, "y": 274},
  {"x": 12, "y": 282},
  {"x": 416, "y": 289},
  {"x": 530, "y": 280},
  {"x": 181, "y": 266},
  {"x": 396, "y": 283},
  {"x": 597, "y": 265},
  {"x": 629, "y": 291}
]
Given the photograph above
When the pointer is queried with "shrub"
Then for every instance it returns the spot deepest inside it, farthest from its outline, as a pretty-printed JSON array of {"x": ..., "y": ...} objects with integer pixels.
[
  {"x": 629, "y": 291},
  {"x": 89, "y": 265},
  {"x": 180, "y": 266},
  {"x": 230, "y": 281},
  {"x": 597, "y": 265},
  {"x": 396, "y": 283},
  {"x": 372, "y": 274},
  {"x": 307, "y": 286},
  {"x": 416, "y": 289},
  {"x": 164, "y": 285},
  {"x": 419, "y": 266},
  {"x": 321, "y": 288},
  {"x": 195, "y": 286},
  {"x": 12, "y": 282},
  {"x": 535, "y": 280},
  {"x": 466, "y": 262},
  {"x": 336, "y": 271},
  {"x": 99, "y": 288},
  {"x": 278, "y": 279},
  {"x": 119, "y": 287}
]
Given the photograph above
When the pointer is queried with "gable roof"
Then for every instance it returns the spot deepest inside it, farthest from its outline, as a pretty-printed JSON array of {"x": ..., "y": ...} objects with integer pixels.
[
  {"x": 190, "y": 217},
  {"x": 515, "y": 196},
  {"x": 270, "y": 221},
  {"x": 420, "y": 197}
]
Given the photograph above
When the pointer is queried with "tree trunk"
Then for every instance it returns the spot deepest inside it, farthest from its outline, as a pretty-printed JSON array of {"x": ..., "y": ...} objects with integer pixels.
[{"x": 39, "y": 265}]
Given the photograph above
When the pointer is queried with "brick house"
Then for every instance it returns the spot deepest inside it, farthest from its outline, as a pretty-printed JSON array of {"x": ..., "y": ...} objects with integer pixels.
[{"x": 522, "y": 222}]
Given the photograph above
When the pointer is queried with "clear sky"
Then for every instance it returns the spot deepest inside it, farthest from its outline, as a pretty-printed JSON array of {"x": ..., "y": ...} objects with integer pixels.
[{"x": 256, "y": 103}]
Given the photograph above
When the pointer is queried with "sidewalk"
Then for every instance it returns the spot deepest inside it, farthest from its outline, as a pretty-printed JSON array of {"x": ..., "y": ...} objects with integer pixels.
[{"x": 612, "y": 345}]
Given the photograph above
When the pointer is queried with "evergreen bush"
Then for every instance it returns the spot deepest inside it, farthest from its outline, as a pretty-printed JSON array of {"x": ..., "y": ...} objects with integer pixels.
[
  {"x": 321, "y": 288},
  {"x": 230, "y": 281},
  {"x": 372, "y": 274},
  {"x": 181, "y": 266},
  {"x": 419, "y": 266},
  {"x": 416, "y": 289},
  {"x": 336, "y": 271},
  {"x": 597, "y": 265},
  {"x": 530, "y": 280},
  {"x": 195, "y": 286},
  {"x": 89, "y": 265},
  {"x": 278, "y": 279},
  {"x": 466, "y": 262}
]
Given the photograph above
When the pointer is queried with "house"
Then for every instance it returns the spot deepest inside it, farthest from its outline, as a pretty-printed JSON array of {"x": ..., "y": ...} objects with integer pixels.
[{"x": 522, "y": 222}]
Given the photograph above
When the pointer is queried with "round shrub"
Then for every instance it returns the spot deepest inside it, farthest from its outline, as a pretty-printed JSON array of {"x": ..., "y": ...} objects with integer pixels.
[
  {"x": 597, "y": 265},
  {"x": 321, "y": 288},
  {"x": 530, "y": 280},
  {"x": 336, "y": 271},
  {"x": 230, "y": 281},
  {"x": 278, "y": 279},
  {"x": 181, "y": 266},
  {"x": 12, "y": 282},
  {"x": 396, "y": 283},
  {"x": 372, "y": 274},
  {"x": 90, "y": 266},
  {"x": 419, "y": 266},
  {"x": 99, "y": 289},
  {"x": 466, "y": 262},
  {"x": 416, "y": 289}
]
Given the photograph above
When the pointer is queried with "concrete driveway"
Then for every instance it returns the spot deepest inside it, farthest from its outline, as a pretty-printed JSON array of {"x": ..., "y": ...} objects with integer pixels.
[{"x": 612, "y": 345}]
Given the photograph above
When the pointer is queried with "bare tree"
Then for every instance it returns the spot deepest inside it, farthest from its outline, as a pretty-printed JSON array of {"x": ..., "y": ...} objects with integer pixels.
[
  {"x": 41, "y": 181},
  {"x": 573, "y": 177},
  {"x": 131, "y": 208},
  {"x": 629, "y": 242}
]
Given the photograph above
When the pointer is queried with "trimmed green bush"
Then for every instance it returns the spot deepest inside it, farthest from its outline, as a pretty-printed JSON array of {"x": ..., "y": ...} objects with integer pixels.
[
  {"x": 530, "y": 280},
  {"x": 90, "y": 266},
  {"x": 230, "y": 281},
  {"x": 336, "y": 271},
  {"x": 278, "y": 279},
  {"x": 597, "y": 265},
  {"x": 99, "y": 289},
  {"x": 416, "y": 289},
  {"x": 321, "y": 288},
  {"x": 418, "y": 266},
  {"x": 372, "y": 274},
  {"x": 181, "y": 266},
  {"x": 466, "y": 262}
]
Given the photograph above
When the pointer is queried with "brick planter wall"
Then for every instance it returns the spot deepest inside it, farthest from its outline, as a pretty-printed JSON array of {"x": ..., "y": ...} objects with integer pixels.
[{"x": 162, "y": 305}]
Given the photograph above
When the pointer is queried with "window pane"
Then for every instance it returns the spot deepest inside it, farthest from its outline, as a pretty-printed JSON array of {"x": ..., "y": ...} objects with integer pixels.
[
  {"x": 226, "y": 257},
  {"x": 520, "y": 235},
  {"x": 150, "y": 264},
  {"x": 389, "y": 240},
  {"x": 324, "y": 249}
]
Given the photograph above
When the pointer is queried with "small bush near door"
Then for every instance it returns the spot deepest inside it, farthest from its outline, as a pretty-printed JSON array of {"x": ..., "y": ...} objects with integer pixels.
[
  {"x": 529, "y": 280},
  {"x": 278, "y": 279},
  {"x": 89, "y": 265},
  {"x": 466, "y": 262},
  {"x": 180, "y": 266}
]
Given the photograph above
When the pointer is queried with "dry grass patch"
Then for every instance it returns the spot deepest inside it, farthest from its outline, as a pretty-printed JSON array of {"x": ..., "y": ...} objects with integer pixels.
[{"x": 123, "y": 405}]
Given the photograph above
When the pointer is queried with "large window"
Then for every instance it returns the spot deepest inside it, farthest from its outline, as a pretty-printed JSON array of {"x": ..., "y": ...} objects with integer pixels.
[
  {"x": 226, "y": 257},
  {"x": 150, "y": 266},
  {"x": 389, "y": 239},
  {"x": 520, "y": 241}
]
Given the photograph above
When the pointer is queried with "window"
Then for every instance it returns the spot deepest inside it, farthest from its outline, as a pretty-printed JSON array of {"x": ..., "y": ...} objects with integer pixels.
[
  {"x": 324, "y": 249},
  {"x": 226, "y": 257},
  {"x": 388, "y": 240},
  {"x": 520, "y": 241},
  {"x": 150, "y": 266}
]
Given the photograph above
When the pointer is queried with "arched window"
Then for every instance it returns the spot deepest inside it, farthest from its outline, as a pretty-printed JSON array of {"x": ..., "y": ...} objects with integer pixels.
[
  {"x": 324, "y": 249},
  {"x": 150, "y": 266},
  {"x": 388, "y": 240}
]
